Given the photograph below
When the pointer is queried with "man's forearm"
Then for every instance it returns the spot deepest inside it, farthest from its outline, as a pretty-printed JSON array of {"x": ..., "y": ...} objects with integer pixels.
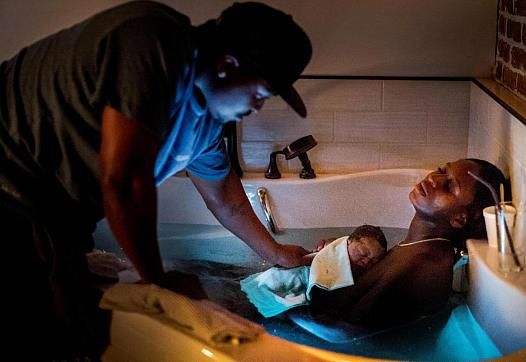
[
  {"x": 229, "y": 204},
  {"x": 240, "y": 219},
  {"x": 131, "y": 213},
  {"x": 127, "y": 159}
]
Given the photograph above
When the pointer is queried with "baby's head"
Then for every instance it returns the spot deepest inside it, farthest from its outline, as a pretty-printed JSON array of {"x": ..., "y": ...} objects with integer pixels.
[{"x": 366, "y": 246}]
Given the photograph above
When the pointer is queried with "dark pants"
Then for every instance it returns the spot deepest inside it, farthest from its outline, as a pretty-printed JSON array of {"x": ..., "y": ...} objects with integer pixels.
[{"x": 51, "y": 307}]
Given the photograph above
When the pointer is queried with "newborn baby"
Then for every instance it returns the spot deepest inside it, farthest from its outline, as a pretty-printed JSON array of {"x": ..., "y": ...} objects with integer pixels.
[
  {"x": 366, "y": 246},
  {"x": 337, "y": 264}
]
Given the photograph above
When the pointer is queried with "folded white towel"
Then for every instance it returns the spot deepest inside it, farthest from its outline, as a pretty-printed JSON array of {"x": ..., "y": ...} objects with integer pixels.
[
  {"x": 201, "y": 318},
  {"x": 331, "y": 267},
  {"x": 279, "y": 289}
]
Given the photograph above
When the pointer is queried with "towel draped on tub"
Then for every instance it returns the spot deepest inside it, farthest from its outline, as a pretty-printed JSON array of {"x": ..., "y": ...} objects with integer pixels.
[{"x": 201, "y": 318}]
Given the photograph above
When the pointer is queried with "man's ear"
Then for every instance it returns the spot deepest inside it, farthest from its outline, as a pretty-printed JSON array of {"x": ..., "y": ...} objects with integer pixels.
[
  {"x": 458, "y": 220},
  {"x": 226, "y": 65}
]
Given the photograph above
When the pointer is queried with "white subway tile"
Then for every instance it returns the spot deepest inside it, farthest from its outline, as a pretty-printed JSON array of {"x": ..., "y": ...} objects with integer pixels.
[
  {"x": 380, "y": 127},
  {"x": 492, "y": 151},
  {"x": 518, "y": 181},
  {"x": 340, "y": 158},
  {"x": 474, "y": 148},
  {"x": 478, "y": 110},
  {"x": 478, "y": 115},
  {"x": 420, "y": 156},
  {"x": 255, "y": 156},
  {"x": 520, "y": 186},
  {"x": 518, "y": 140},
  {"x": 337, "y": 94},
  {"x": 447, "y": 128},
  {"x": 498, "y": 123},
  {"x": 427, "y": 96},
  {"x": 286, "y": 126}
]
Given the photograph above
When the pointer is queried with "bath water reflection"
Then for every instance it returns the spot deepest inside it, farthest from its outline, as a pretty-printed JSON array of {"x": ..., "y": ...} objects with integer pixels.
[{"x": 221, "y": 260}]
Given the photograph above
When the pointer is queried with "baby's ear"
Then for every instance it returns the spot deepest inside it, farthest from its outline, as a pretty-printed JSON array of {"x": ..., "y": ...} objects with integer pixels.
[{"x": 458, "y": 220}]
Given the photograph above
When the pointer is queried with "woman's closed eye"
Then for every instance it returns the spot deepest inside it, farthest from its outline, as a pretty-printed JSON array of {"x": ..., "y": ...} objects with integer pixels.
[{"x": 447, "y": 184}]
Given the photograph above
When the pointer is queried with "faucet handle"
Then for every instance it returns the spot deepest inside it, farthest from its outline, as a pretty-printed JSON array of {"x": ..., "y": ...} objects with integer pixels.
[{"x": 272, "y": 170}]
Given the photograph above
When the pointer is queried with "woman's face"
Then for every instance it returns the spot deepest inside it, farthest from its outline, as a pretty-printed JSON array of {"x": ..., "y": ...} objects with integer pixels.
[{"x": 447, "y": 191}]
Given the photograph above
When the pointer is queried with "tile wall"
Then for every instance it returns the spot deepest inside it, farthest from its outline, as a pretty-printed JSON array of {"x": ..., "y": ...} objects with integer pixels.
[
  {"x": 363, "y": 125},
  {"x": 497, "y": 136}
]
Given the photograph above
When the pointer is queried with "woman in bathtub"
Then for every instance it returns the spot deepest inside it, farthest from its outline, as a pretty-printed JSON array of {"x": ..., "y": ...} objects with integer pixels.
[{"x": 415, "y": 276}]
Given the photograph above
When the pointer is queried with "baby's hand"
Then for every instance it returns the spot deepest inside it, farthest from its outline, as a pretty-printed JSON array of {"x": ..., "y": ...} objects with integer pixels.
[{"x": 322, "y": 244}]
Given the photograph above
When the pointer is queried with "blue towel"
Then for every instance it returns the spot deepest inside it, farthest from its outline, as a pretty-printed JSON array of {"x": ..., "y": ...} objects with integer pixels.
[{"x": 279, "y": 289}]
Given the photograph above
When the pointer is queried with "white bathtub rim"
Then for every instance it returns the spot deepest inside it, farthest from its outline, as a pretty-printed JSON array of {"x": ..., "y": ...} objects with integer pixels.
[{"x": 378, "y": 197}]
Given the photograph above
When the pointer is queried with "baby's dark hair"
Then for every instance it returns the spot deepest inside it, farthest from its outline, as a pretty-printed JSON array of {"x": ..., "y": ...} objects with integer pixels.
[{"x": 371, "y": 231}]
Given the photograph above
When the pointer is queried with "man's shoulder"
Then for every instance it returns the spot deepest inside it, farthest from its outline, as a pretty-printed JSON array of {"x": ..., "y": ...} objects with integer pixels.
[{"x": 143, "y": 11}]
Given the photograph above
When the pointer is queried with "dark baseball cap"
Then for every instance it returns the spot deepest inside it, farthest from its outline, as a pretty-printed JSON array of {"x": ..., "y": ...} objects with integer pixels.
[{"x": 272, "y": 44}]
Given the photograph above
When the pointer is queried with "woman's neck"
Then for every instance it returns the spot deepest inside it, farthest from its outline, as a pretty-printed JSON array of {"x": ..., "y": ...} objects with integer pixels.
[{"x": 424, "y": 228}]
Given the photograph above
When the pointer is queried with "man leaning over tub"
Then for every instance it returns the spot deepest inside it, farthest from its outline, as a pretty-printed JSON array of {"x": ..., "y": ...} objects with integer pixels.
[
  {"x": 92, "y": 118},
  {"x": 415, "y": 276}
]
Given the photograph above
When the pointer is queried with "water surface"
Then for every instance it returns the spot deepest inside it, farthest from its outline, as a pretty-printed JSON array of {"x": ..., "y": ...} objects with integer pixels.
[{"x": 221, "y": 260}]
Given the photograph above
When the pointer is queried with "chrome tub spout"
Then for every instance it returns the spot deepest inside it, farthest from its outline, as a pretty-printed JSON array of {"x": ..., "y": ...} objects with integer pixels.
[{"x": 265, "y": 206}]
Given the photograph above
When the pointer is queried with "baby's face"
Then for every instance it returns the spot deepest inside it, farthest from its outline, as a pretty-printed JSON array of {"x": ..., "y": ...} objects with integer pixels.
[{"x": 364, "y": 252}]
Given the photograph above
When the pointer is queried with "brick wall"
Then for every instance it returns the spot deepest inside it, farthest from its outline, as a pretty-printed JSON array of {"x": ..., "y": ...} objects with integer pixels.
[{"x": 510, "y": 67}]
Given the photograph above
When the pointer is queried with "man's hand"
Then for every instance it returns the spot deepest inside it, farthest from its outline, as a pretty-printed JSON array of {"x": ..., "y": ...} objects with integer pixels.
[{"x": 290, "y": 256}]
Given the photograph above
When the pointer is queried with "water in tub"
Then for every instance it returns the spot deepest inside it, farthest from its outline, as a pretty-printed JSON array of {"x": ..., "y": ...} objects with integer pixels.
[{"x": 221, "y": 260}]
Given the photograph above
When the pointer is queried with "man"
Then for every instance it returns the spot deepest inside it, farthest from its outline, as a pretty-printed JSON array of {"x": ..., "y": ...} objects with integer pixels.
[
  {"x": 415, "y": 277},
  {"x": 95, "y": 116}
]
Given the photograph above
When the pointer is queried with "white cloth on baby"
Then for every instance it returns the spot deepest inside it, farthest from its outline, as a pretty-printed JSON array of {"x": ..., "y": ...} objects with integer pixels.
[
  {"x": 201, "y": 318},
  {"x": 279, "y": 289}
]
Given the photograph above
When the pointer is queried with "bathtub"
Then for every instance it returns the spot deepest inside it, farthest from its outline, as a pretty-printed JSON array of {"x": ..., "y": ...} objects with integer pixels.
[{"x": 376, "y": 197}]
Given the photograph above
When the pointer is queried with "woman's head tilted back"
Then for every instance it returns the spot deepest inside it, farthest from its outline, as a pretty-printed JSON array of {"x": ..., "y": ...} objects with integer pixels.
[
  {"x": 453, "y": 200},
  {"x": 483, "y": 198}
]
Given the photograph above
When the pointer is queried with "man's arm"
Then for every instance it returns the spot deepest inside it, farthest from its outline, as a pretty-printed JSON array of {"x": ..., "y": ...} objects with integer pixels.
[
  {"x": 227, "y": 200},
  {"x": 127, "y": 158}
]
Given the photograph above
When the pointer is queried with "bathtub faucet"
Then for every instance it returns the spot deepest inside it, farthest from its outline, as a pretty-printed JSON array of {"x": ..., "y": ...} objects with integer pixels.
[{"x": 298, "y": 149}]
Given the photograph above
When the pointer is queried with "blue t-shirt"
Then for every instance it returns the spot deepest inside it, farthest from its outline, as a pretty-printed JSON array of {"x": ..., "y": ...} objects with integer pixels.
[{"x": 195, "y": 142}]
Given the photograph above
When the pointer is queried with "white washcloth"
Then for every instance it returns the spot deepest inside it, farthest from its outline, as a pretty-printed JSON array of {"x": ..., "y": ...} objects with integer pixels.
[
  {"x": 278, "y": 289},
  {"x": 201, "y": 318}
]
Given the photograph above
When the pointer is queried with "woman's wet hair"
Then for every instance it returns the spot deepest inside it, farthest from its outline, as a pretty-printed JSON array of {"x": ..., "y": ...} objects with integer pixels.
[
  {"x": 370, "y": 231},
  {"x": 475, "y": 228}
]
